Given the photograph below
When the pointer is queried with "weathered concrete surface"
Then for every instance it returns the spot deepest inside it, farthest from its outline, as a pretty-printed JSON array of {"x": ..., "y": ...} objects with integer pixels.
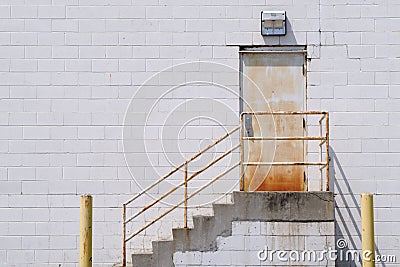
[
  {"x": 247, "y": 206},
  {"x": 142, "y": 259},
  {"x": 248, "y": 238},
  {"x": 284, "y": 206}
]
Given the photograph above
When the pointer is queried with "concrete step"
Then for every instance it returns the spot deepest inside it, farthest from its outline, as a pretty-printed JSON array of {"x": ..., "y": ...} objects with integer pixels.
[
  {"x": 182, "y": 238},
  {"x": 144, "y": 259},
  {"x": 162, "y": 253}
]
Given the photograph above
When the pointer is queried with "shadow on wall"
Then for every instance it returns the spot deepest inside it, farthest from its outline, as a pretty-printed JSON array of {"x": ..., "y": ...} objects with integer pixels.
[{"x": 343, "y": 230}]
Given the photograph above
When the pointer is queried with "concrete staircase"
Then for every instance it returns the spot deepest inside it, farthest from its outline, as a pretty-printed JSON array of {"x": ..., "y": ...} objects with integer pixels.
[{"x": 247, "y": 206}]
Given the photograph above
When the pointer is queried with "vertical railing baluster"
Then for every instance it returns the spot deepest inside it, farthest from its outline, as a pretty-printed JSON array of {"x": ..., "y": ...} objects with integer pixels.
[
  {"x": 185, "y": 196},
  {"x": 320, "y": 145},
  {"x": 124, "y": 235},
  {"x": 327, "y": 151},
  {"x": 241, "y": 154}
]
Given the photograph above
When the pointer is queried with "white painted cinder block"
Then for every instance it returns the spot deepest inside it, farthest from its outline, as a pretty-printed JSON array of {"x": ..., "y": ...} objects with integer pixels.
[{"x": 68, "y": 70}]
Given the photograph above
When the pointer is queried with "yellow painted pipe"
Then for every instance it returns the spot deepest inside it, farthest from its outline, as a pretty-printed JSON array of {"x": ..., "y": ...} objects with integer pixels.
[
  {"x": 367, "y": 225},
  {"x": 85, "y": 243}
]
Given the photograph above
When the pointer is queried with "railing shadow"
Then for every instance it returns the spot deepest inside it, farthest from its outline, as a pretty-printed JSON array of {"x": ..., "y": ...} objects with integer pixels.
[{"x": 345, "y": 232}]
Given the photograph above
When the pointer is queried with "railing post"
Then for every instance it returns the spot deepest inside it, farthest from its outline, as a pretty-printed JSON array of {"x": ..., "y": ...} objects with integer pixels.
[
  {"x": 185, "y": 198},
  {"x": 123, "y": 235},
  {"x": 320, "y": 153},
  {"x": 241, "y": 154},
  {"x": 85, "y": 255},
  {"x": 327, "y": 151}
]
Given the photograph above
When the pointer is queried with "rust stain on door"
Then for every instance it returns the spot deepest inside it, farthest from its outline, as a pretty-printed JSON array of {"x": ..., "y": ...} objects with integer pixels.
[{"x": 274, "y": 82}]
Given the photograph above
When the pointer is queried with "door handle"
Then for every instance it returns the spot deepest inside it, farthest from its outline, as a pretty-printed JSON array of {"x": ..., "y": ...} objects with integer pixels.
[{"x": 248, "y": 125}]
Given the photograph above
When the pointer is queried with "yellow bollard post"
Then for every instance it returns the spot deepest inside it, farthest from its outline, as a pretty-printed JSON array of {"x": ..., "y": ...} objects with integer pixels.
[
  {"x": 85, "y": 243},
  {"x": 367, "y": 225}
]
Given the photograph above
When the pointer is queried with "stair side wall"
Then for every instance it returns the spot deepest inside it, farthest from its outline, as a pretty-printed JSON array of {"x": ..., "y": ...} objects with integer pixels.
[{"x": 260, "y": 243}]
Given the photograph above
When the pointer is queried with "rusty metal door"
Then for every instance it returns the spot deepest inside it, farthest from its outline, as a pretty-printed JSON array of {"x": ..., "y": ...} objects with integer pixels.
[{"x": 273, "y": 81}]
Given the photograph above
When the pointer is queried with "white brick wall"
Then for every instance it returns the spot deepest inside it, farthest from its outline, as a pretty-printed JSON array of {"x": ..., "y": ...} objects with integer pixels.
[{"x": 68, "y": 70}]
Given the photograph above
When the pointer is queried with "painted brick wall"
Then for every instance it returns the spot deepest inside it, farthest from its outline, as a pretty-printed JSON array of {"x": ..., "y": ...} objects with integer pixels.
[{"x": 69, "y": 69}]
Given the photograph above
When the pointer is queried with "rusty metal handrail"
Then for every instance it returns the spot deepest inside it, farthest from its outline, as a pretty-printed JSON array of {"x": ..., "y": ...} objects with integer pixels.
[
  {"x": 181, "y": 184},
  {"x": 182, "y": 201},
  {"x": 256, "y": 163},
  {"x": 323, "y": 138},
  {"x": 182, "y": 165},
  {"x": 186, "y": 179},
  {"x": 280, "y": 138},
  {"x": 285, "y": 113}
]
